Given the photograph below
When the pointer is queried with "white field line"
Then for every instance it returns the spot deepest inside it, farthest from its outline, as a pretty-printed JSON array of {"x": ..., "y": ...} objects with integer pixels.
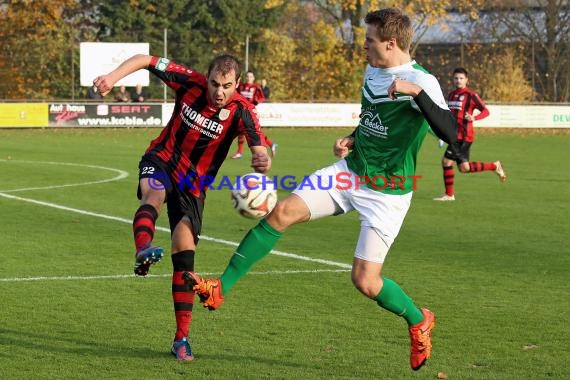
[
  {"x": 123, "y": 276},
  {"x": 123, "y": 174},
  {"x": 163, "y": 229}
]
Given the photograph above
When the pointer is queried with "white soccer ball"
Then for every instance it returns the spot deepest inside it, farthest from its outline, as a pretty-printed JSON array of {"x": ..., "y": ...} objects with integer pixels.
[{"x": 254, "y": 195}]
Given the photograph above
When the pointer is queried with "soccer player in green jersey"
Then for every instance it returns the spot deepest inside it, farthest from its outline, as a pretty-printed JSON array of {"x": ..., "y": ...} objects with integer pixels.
[{"x": 400, "y": 101}]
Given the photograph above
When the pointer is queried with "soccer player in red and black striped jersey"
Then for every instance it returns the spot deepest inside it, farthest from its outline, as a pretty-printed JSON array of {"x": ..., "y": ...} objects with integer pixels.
[
  {"x": 180, "y": 163},
  {"x": 463, "y": 102},
  {"x": 254, "y": 93}
]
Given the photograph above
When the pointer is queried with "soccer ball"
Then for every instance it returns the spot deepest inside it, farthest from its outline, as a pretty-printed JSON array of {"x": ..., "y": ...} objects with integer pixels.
[{"x": 254, "y": 195}]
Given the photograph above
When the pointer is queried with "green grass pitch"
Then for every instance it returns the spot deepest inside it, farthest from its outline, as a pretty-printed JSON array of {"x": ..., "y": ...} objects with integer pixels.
[{"x": 493, "y": 265}]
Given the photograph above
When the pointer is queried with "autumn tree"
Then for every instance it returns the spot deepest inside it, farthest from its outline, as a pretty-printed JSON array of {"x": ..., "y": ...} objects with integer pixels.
[
  {"x": 196, "y": 30},
  {"x": 306, "y": 61},
  {"x": 308, "y": 50},
  {"x": 544, "y": 27},
  {"x": 498, "y": 73},
  {"x": 336, "y": 29},
  {"x": 37, "y": 47},
  {"x": 507, "y": 82}
]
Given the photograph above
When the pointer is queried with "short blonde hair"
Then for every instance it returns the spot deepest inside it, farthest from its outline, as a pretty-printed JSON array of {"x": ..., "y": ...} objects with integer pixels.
[{"x": 392, "y": 23}]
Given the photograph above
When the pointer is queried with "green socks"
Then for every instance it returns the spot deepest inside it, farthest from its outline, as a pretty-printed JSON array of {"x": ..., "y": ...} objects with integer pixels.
[
  {"x": 258, "y": 242},
  {"x": 261, "y": 239},
  {"x": 393, "y": 298}
]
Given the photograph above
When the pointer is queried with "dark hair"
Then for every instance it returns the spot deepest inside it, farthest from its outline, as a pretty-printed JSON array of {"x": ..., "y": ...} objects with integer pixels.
[
  {"x": 460, "y": 70},
  {"x": 224, "y": 64},
  {"x": 392, "y": 23}
]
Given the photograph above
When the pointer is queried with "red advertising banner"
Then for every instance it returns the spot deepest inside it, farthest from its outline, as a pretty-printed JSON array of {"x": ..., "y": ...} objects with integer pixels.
[{"x": 105, "y": 115}]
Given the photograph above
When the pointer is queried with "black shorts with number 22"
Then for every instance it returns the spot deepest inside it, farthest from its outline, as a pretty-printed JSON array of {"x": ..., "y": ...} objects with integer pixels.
[{"x": 180, "y": 203}]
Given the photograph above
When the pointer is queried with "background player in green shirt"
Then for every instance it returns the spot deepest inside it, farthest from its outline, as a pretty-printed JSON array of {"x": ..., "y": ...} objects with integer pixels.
[{"x": 400, "y": 101}]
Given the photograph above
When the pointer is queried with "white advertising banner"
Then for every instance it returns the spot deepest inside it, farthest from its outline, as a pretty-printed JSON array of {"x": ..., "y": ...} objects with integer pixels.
[
  {"x": 98, "y": 58},
  {"x": 298, "y": 114},
  {"x": 308, "y": 114},
  {"x": 527, "y": 116},
  {"x": 347, "y": 115}
]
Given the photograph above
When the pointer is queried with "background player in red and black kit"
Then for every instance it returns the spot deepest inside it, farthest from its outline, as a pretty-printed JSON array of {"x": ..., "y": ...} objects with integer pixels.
[
  {"x": 179, "y": 164},
  {"x": 254, "y": 93},
  {"x": 462, "y": 102}
]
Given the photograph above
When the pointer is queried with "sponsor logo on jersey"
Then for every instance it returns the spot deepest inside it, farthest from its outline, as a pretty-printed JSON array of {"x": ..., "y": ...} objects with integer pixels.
[
  {"x": 162, "y": 64},
  {"x": 372, "y": 125},
  {"x": 199, "y": 122},
  {"x": 224, "y": 113},
  {"x": 454, "y": 104}
]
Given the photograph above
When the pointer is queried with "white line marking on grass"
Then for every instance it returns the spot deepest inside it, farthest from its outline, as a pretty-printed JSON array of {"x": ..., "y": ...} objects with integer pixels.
[
  {"x": 121, "y": 174},
  {"x": 158, "y": 228},
  {"x": 122, "y": 276}
]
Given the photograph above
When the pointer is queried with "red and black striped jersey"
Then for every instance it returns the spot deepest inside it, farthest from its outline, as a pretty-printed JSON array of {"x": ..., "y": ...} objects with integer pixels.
[
  {"x": 252, "y": 92},
  {"x": 462, "y": 101},
  {"x": 198, "y": 136}
]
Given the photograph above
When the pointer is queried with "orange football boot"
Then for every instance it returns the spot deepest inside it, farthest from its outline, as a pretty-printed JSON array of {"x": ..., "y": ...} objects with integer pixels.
[
  {"x": 420, "y": 336},
  {"x": 209, "y": 290}
]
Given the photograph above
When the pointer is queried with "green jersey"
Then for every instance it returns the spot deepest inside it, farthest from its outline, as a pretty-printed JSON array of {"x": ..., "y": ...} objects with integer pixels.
[{"x": 391, "y": 132}]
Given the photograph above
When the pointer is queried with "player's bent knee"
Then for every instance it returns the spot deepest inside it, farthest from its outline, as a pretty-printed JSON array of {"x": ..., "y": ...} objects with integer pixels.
[
  {"x": 366, "y": 285},
  {"x": 287, "y": 213},
  {"x": 281, "y": 217}
]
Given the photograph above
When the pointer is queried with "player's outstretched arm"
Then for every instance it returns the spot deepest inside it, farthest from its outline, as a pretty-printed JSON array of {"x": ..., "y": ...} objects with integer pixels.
[{"x": 105, "y": 83}]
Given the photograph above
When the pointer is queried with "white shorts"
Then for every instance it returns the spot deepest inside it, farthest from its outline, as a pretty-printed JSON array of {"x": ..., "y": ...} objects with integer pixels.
[{"x": 381, "y": 215}]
